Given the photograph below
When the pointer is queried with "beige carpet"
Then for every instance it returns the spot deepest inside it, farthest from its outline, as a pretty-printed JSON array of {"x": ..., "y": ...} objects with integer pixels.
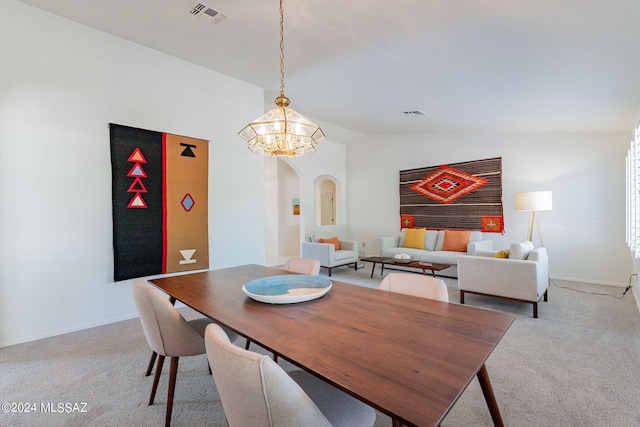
[{"x": 577, "y": 365}]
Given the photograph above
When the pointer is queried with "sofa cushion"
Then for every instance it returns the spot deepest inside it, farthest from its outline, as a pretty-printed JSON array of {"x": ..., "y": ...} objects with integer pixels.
[
  {"x": 520, "y": 250},
  {"x": 402, "y": 233},
  {"x": 441, "y": 257},
  {"x": 414, "y": 238},
  {"x": 430, "y": 240},
  {"x": 440, "y": 241},
  {"x": 456, "y": 240},
  {"x": 536, "y": 255},
  {"x": 333, "y": 240}
]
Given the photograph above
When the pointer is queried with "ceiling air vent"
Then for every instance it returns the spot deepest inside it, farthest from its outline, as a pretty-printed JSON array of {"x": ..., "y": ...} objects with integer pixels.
[
  {"x": 202, "y": 10},
  {"x": 415, "y": 113}
]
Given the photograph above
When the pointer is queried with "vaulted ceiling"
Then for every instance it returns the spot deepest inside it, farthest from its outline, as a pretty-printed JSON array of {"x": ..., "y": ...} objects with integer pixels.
[{"x": 469, "y": 65}]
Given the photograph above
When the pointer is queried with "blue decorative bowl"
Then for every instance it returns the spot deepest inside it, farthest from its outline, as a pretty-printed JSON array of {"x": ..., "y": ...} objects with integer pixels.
[{"x": 287, "y": 289}]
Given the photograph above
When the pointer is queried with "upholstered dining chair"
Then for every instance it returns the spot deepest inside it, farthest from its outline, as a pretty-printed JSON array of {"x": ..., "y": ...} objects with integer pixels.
[
  {"x": 255, "y": 391},
  {"x": 308, "y": 266},
  {"x": 416, "y": 285},
  {"x": 168, "y": 334},
  {"x": 154, "y": 355}
]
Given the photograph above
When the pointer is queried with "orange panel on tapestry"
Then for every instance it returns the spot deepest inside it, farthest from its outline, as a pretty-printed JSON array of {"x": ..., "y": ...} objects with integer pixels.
[{"x": 186, "y": 203}]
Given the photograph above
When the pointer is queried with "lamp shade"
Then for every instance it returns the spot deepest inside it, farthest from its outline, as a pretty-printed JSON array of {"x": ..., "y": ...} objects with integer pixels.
[{"x": 534, "y": 201}]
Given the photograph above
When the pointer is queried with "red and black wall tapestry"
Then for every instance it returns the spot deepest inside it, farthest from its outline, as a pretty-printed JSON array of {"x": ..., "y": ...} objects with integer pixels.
[
  {"x": 160, "y": 202},
  {"x": 463, "y": 196}
]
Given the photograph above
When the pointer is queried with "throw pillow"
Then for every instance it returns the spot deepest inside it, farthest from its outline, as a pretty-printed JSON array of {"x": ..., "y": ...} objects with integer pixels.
[
  {"x": 456, "y": 240},
  {"x": 502, "y": 254},
  {"x": 414, "y": 238},
  {"x": 333, "y": 240},
  {"x": 520, "y": 250}
]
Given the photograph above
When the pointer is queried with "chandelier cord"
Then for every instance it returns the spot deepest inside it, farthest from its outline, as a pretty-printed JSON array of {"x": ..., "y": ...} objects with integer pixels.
[
  {"x": 282, "y": 131},
  {"x": 281, "y": 49}
]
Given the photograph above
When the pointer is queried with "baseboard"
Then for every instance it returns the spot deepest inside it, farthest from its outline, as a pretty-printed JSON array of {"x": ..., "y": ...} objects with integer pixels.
[
  {"x": 636, "y": 294},
  {"x": 66, "y": 331},
  {"x": 590, "y": 282}
]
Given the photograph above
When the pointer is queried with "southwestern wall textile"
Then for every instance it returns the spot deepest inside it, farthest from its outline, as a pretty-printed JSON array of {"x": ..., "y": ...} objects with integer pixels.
[
  {"x": 464, "y": 196},
  {"x": 160, "y": 202}
]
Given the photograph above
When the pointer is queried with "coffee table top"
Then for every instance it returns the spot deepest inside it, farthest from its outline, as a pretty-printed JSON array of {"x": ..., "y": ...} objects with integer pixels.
[{"x": 413, "y": 264}]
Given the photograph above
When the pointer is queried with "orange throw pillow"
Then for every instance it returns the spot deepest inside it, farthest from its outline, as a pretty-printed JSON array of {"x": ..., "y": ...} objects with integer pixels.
[
  {"x": 333, "y": 240},
  {"x": 456, "y": 240}
]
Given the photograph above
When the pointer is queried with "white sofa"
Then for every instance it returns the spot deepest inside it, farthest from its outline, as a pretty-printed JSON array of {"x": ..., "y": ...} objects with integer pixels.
[
  {"x": 524, "y": 276},
  {"x": 433, "y": 252},
  {"x": 327, "y": 254}
]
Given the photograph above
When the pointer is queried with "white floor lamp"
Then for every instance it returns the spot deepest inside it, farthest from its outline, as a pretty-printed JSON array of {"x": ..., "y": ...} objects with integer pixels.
[{"x": 534, "y": 201}]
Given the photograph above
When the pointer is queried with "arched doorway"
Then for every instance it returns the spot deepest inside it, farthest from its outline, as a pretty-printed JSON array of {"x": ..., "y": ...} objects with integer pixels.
[{"x": 282, "y": 217}]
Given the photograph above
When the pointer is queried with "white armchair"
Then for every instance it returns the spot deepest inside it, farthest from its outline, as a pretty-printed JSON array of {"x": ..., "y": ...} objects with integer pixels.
[
  {"x": 329, "y": 257},
  {"x": 524, "y": 280}
]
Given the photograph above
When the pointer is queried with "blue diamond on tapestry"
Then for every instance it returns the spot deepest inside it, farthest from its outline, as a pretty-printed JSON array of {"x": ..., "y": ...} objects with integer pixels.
[{"x": 187, "y": 202}]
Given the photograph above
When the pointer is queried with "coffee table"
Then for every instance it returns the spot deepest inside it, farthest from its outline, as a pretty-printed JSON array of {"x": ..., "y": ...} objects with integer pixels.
[{"x": 424, "y": 266}]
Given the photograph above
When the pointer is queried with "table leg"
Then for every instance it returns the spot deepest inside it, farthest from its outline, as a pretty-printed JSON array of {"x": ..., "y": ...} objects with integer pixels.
[
  {"x": 373, "y": 268},
  {"x": 487, "y": 390}
]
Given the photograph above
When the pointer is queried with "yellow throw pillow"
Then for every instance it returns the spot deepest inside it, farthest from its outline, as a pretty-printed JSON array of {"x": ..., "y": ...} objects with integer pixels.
[
  {"x": 414, "y": 238},
  {"x": 502, "y": 254},
  {"x": 333, "y": 240},
  {"x": 456, "y": 240}
]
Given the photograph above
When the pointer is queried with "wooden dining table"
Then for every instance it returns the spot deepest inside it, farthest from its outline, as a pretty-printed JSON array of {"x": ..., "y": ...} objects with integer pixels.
[{"x": 410, "y": 358}]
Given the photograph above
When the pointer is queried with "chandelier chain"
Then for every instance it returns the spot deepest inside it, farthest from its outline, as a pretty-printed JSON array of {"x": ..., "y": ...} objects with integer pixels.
[
  {"x": 282, "y": 132},
  {"x": 281, "y": 49}
]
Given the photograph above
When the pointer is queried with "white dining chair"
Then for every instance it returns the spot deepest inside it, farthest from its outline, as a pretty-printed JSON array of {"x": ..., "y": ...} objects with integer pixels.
[
  {"x": 417, "y": 285},
  {"x": 168, "y": 334},
  {"x": 255, "y": 391}
]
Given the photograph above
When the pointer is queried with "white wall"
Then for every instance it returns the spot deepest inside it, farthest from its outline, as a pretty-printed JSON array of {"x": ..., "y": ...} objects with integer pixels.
[
  {"x": 329, "y": 160},
  {"x": 61, "y": 84},
  {"x": 585, "y": 232},
  {"x": 286, "y": 178}
]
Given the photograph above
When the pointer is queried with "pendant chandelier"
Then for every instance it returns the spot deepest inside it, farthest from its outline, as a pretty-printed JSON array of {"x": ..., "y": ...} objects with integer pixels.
[{"x": 282, "y": 131}]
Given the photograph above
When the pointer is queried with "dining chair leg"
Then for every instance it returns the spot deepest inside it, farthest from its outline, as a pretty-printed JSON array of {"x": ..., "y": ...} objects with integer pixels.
[
  {"x": 173, "y": 372},
  {"x": 156, "y": 379},
  {"x": 151, "y": 362}
]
